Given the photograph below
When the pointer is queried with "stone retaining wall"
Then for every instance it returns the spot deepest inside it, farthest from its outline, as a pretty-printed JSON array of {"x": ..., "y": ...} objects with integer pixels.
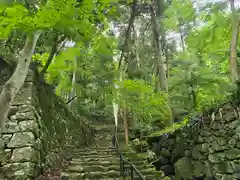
[
  {"x": 208, "y": 149},
  {"x": 32, "y": 134}
]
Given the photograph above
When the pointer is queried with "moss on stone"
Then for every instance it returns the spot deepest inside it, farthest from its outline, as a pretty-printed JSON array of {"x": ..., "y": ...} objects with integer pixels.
[{"x": 166, "y": 178}]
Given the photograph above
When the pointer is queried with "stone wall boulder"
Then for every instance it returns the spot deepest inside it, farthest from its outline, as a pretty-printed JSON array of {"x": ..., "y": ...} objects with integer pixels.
[
  {"x": 38, "y": 128},
  {"x": 208, "y": 147}
]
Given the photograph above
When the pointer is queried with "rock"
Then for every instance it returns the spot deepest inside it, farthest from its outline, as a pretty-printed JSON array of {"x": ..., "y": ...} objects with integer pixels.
[
  {"x": 205, "y": 133},
  {"x": 165, "y": 152},
  {"x": 204, "y": 148},
  {"x": 230, "y": 133},
  {"x": 220, "y": 133},
  {"x": 229, "y": 115},
  {"x": 21, "y": 116},
  {"x": 163, "y": 160},
  {"x": 11, "y": 127},
  {"x": 13, "y": 110},
  {"x": 140, "y": 146},
  {"x": 209, "y": 169},
  {"x": 238, "y": 144},
  {"x": 232, "y": 142},
  {"x": 30, "y": 125},
  {"x": 68, "y": 176},
  {"x": 223, "y": 168},
  {"x": 198, "y": 169},
  {"x": 187, "y": 153},
  {"x": 2, "y": 144},
  {"x": 6, "y": 138},
  {"x": 217, "y": 157},
  {"x": 176, "y": 154},
  {"x": 216, "y": 125},
  {"x": 237, "y": 131},
  {"x": 167, "y": 169},
  {"x": 209, "y": 139},
  {"x": 224, "y": 176},
  {"x": 196, "y": 154},
  {"x": 199, "y": 139},
  {"x": 233, "y": 153},
  {"x": 26, "y": 108},
  {"x": 166, "y": 178},
  {"x": 233, "y": 124},
  {"x": 5, "y": 155},
  {"x": 222, "y": 141},
  {"x": 21, "y": 139},
  {"x": 215, "y": 146},
  {"x": 236, "y": 167},
  {"x": 236, "y": 175},
  {"x": 19, "y": 171},
  {"x": 77, "y": 168},
  {"x": 159, "y": 162},
  {"x": 25, "y": 94},
  {"x": 183, "y": 168},
  {"x": 25, "y": 154}
]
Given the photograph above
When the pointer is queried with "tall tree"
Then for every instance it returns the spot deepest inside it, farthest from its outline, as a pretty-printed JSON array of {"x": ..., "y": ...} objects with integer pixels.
[{"x": 233, "y": 45}]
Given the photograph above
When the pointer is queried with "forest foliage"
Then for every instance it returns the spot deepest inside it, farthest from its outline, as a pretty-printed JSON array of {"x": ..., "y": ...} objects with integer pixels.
[{"x": 86, "y": 48}]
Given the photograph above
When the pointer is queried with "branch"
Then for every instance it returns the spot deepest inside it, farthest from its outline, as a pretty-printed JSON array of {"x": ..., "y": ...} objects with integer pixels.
[
  {"x": 128, "y": 34},
  {"x": 51, "y": 55},
  {"x": 70, "y": 100}
]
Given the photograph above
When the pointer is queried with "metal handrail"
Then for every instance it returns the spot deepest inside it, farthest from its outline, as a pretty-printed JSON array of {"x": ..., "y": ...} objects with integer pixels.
[{"x": 126, "y": 167}]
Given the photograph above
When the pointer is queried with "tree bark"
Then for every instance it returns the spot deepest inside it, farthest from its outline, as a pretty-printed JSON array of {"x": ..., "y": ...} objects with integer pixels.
[
  {"x": 54, "y": 51},
  {"x": 233, "y": 45},
  {"x": 161, "y": 67},
  {"x": 15, "y": 82},
  {"x": 73, "y": 91},
  {"x": 126, "y": 46},
  {"x": 125, "y": 124}
]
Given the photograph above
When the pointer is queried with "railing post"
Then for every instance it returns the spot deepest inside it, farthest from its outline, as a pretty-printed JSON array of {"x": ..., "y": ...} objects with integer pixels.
[
  {"x": 114, "y": 143},
  {"x": 132, "y": 175},
  {"x": 121, "y": 166}
]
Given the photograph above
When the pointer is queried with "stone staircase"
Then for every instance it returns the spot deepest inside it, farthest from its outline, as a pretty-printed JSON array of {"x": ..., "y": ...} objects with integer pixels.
[
  {"x": 101, "y": 161},
  {"x": 92, "y": 163}
]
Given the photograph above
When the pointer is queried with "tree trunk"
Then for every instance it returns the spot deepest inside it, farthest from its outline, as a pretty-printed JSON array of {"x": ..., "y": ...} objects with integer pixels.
[
  {"x": 52, "y": 54},
  {"x": 233, "y": 46},
  {"x": 161, "y": 64},
  {"x": 125, "y": 124},
  {"x": 161, "y": 67},
  {"x": 73, "y": 91},
  {"x": 13, "y": 85},
  {"x": 181, "y": 34}
]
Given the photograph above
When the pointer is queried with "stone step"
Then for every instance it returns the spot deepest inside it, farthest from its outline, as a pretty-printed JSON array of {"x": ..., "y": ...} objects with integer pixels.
[
  {"x": 92, "y": 163},
  {"x": 91, "y": 175},
  {"x": 88, "y": 153},
  {"x": 153, "y": 177},
  {"x": 151, "y": 172},
  {"x": 135, "y": 156},
  {"x": 92, "y": 168},
  {"x": 78, "y": 156},
  {"x": 136, "y": 162},
  {"x": 96, "y": 159},
  {"x": 95, "y": 149}
]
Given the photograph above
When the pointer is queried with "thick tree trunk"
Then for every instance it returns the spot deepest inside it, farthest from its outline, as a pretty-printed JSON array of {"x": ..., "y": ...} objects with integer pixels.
[
  {"x": 13, "y": 85},
  {"x": 161, "y": 67},
  {"x": 162, "y": 83},
  {"x": 233, "y": 46}
]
